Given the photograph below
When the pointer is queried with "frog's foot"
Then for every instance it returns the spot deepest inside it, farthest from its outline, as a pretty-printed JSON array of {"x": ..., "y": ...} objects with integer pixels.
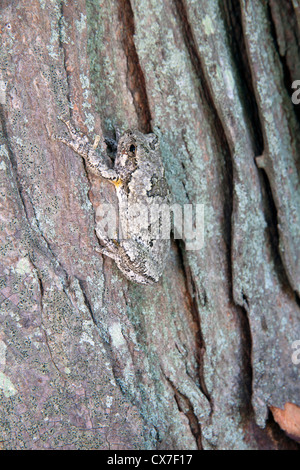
[{"x": 78, "y": 142}]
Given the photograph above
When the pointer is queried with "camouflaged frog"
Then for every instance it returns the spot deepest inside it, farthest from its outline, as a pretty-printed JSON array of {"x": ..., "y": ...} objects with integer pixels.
[{"x": 138, "y": 175}]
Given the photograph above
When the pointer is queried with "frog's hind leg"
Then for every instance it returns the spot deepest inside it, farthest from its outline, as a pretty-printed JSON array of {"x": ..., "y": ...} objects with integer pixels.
[
  {"x": 134, "y": 270},
  {"x": 109, "y": 249},
  {"x": 104, "y": 251}
]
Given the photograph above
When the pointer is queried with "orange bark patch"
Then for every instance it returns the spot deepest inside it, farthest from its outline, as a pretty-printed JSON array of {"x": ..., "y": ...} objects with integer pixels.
[{"x": 288, "y": 419}]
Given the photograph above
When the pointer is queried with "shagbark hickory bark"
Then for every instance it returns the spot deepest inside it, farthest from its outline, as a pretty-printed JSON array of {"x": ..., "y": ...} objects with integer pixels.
[{"x": 89, "y": 360}]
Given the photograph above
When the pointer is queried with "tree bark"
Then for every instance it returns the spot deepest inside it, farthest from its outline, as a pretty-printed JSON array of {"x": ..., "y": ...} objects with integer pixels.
[{"x": 202, "y": 359}]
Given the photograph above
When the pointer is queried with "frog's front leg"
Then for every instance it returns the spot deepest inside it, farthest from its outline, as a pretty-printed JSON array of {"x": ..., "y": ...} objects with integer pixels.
[{"x": 96, "y": 163}]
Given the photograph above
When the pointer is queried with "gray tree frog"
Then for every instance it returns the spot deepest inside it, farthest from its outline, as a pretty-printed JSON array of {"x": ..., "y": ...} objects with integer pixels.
[{"x": 138, "y": 176}]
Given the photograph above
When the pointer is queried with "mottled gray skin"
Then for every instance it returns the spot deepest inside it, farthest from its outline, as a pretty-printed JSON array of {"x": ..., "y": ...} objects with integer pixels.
[{"x": 138, "y": 176}]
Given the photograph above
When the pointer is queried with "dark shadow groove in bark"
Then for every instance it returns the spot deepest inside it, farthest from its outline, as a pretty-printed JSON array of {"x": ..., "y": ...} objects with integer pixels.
[
  {"x": 270, "y": 214},
  {"x": 135, "y": 77},
  {"x": 216, "y": 123},
  {"x": 82, "y": 285},
  {"x": 246, "y": 340},
  {"x": 12, "y": 160},
  {"x": 233, "y": 22},
  {"x": 223, "y": 143},
  {"x": 287, "y": 78},
  {"x": 192, "y": 296},
  {"x": 203, "y": 89},
  {"x": 262, "y": 159},
  {"x": 185, "y": 406},
  {"x": 65, "y": 57},
  {"x": 40, "y": 284},
  {"x": 233, "y": 17},
  {"x": 236, "y": 38}
]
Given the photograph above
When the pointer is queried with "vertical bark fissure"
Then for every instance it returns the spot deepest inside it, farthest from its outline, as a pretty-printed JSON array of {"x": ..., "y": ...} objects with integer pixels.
[
  {"x": 43, "y": 328},
  {"x": 247, "y": 347},
  {"x": 236, "y": 40},
  {"x": 270, "y": 209},
  {"x": 65, "y": 56},
  {"x": 41, "y": 244},
  {"x": 287, "y": 74},
  {"x": 13, "y": 161},
  {"x": 135, "y": 77},
  {"x": 223, "y": 143},
  {"x": 270, "y": 214},
  {"x": 213, "y": 117},
  {"x": 185, "y": 406},
  {"x": 82, "y": 285},
  {"x": 233, "y": 16},
  {"x": 192, "y": 295},
  {"x": 58, "y": 265},
  {"x": 215, "y": 120},
  {"x": 233, "y": 19}
]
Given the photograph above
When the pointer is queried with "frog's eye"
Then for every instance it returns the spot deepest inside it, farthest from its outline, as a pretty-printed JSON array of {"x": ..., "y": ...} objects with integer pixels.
[{"x": 132, "y": 149}]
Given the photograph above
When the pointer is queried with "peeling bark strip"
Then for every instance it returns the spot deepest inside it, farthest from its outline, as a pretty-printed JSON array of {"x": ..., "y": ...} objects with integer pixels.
[
  {"x": 236, "y": 39},
  {"x": 135, "y": 77},
  {"x": 11, "y": 157},
  {"x": 204, "y": 87},
  {"x": 185, "y": 406},
  {"x": 193, "y": 301},
  {"x": 214, "y": 117},
  {"x": 280, "y": 131},
  {"x": 228, "y": 203},
  {"x": 65, "y": 54}
]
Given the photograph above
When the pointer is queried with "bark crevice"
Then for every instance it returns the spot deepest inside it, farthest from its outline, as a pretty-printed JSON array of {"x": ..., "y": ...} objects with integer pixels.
[
  {"x": 236, "y": 40},
  {"x": 135, "y": 77},
  {"x": 185, "y": 406},
  {"x": 271, "y": 218},
  {"x": 65, "y": 56},
  {"x": 193, "y": 300},
  {"x": 87, "y": 302},
  {"x": 58, "y": 268},
  {"x": 13, "y": 161},
  {"x": 279, "y": 34},
  {"x": 216, "y": 122}
]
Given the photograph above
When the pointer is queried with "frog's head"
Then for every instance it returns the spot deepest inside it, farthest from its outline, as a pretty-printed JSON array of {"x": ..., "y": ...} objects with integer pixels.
[{"x": 134, "y": 150}]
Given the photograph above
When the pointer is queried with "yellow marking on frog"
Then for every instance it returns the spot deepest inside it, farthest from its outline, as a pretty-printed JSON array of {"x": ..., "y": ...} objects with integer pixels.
[{"x": 118, "y": 183}]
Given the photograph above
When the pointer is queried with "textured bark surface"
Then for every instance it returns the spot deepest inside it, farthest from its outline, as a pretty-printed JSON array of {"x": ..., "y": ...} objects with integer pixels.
[{"x": 203, "y": 359}]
